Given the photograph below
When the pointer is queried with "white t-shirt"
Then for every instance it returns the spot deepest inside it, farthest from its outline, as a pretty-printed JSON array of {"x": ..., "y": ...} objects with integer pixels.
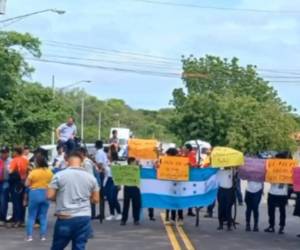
[
  {"x": 224, "y": 178},
  {"x": 88, "y": 165},
  {"x": 279, "y": 189},
  {"x": 254, "y": 186},
  {"x": 101, "y": 158},
  {"x": 66, "y": 132}
]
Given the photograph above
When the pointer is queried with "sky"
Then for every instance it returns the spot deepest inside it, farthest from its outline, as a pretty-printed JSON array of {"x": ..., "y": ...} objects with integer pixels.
[{"x": 268, "y": 40}]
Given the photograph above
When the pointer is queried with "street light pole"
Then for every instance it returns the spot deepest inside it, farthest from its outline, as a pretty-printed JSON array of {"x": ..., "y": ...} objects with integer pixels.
[
  {"x": 99, "y": 125},
  {"x": 12, "y": 19},
  {"x": 2, "y": 7},
  {"x": 53, "y": 96},
  {"x": 82, "y": 119}
]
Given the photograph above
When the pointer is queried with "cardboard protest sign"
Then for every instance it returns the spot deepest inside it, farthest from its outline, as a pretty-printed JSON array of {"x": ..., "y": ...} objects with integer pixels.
[
  {"x": 296, "y": 179},
  {"x": 173, "y": 168},
  {"x": 226, "y": 157},
  {"x": 126, "y": 175},
  {"x": 280, "y": 171},
  {"x": 254, "y": 169},
  {"x": 142, "y": 149}
]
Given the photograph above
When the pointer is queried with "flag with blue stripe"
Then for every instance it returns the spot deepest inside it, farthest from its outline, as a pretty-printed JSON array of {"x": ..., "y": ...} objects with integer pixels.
[{"x": 200, "y": 191}]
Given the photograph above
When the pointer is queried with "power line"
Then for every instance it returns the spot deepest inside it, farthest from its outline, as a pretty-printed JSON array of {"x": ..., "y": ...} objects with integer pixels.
[
  {"x": 220, "y": 8},
  {"x": 142, "y": 72},
  {"x": 114, "y": 51},
  {"x": 118, "y": 62}
]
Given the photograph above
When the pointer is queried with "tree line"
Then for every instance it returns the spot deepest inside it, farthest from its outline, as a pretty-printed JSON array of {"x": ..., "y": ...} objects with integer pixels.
[{"x": 220, "y": 102}]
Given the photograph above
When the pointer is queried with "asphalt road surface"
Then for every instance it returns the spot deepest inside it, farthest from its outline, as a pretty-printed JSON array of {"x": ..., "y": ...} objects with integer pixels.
[{"x": 155, "y": 235}]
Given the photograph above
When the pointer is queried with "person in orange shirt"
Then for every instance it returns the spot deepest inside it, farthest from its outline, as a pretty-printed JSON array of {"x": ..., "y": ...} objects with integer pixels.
[
  {"x": 18, "y": 173},
  {"x": 192, "y": 155}
]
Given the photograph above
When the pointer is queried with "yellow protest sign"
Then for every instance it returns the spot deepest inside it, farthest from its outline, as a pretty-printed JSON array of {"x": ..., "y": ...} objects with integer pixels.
[
  {"x": 142, "y": 149},
  {"x": 173, "y": 168},
  {"x": 280, "y": 171},
  {"x": 226, "y": 157}
]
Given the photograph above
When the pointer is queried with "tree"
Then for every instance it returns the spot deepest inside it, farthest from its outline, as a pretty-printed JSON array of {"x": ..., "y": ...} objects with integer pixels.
[{"x": 229, "y": 105}]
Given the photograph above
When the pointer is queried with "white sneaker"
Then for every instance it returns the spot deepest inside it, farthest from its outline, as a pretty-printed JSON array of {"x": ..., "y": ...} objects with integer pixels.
[
  {"x": 119, "y": 217},
  {"x": 43, "y": 238},
  {"x": 29, "y": 239},
  {"x": 109, "y": 218}
]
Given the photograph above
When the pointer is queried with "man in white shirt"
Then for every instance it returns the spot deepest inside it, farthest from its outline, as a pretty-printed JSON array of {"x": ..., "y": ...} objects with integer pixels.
[
  {"x": 66, "y": 133},
  {"x": 252, "y": 199},
  {"x": 226, "y": 196},
  {"x": 110, "y": 190},
  {"x": 278, "y": 197}
]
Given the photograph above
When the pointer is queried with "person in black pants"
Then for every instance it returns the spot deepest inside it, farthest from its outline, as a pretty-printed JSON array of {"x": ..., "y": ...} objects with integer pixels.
[
  {"x": 132, "y": 194},
  {"x": 151, "y": 214},
  {"x": 252, "y": 199},
  {"x": 226, "y": 198},
  {"x": 278, "y": 197}
]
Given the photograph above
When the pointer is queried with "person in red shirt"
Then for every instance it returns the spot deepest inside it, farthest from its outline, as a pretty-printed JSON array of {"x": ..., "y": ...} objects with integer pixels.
[
  {"x": 18, "y": 173},
  {"x": 192, "y": 155}
]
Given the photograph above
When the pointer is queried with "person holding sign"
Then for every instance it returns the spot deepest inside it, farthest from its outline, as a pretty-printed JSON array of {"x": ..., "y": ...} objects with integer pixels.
[
  {"x": 278, "y": 197},
  {"x": 133, "y": 194},
  {"x": 226, "y": 197},
  {"x": 252, "y": 199},
  {"x": 179, "y": 213}
]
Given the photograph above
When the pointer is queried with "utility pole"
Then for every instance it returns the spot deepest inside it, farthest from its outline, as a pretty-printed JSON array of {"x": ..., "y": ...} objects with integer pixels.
[
  {"x": 82, "y": 119},
  {"x": 99, "y": 125},
  {"x": 53, "y": 96}
]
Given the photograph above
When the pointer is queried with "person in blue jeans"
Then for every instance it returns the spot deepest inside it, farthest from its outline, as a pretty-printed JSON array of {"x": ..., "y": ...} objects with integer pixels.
[
  {"x": 38, "y": 181},
  {"x": 73, "y": 189},
  {"x": 5, "y": 190}
]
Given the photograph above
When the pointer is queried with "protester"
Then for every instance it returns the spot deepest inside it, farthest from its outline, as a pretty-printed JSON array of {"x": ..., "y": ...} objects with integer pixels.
[
  {"x": 73, "y": 189},
  {"x": 226, "y": 197},
  {"x": 26, "y": 153},
  {"x": 38, "y": 181},
  {"x": 252, "y": 199},
  {"x": 18, "y": 174},
  {"x": 176, "y": 215},
  {"x": 5, "y": 191},
  {"x": 278, "y": 197},
  {"x": 114, "y": 140},
  {"x": 192, "y": 155},
  {"x": 110, "y": 190},
  {"x": 91, "y": 168},
  {"x": 297, "y": 208},
  {"x": 87, "y": 164},
  {"x": 66, "y": 133},
  {"x": 131, "y": 194},
  {"x": 59, "y": 159}
]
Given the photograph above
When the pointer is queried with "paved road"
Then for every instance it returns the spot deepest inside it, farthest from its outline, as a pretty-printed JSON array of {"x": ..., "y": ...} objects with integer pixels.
[{"x": 153, "y": 235}]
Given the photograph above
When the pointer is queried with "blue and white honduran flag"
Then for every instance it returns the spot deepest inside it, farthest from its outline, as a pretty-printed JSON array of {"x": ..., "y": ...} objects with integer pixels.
[{"x": 200, "y": 191}]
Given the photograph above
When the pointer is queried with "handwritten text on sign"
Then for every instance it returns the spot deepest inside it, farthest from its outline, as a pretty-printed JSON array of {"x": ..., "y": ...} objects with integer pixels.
[
  {"x": 296, "y": 179},
  {"x": 173, "y": 168},
  {"x": 226, "y": 157},
  {"x": 254, "y": 169},
  {"x": 126, "y": 175},
  {"x": 280, "y": 171},
  {"x": 142, "y": 149}
]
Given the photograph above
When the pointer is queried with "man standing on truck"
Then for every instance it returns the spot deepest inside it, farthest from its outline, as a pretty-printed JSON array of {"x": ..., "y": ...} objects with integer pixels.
[{"x": 66, "y": 133}]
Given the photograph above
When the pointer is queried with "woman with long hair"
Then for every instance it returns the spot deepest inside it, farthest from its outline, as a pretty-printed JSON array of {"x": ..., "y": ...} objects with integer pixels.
[{"x": 37, "y": 182}]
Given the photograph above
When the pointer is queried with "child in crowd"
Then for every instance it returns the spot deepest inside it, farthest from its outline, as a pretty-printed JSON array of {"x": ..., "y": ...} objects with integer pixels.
[{"x": 131, "y": 193}]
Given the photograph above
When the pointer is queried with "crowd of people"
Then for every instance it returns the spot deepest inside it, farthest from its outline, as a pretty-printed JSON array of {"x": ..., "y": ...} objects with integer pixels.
[{"x": 76, "y": 180}]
